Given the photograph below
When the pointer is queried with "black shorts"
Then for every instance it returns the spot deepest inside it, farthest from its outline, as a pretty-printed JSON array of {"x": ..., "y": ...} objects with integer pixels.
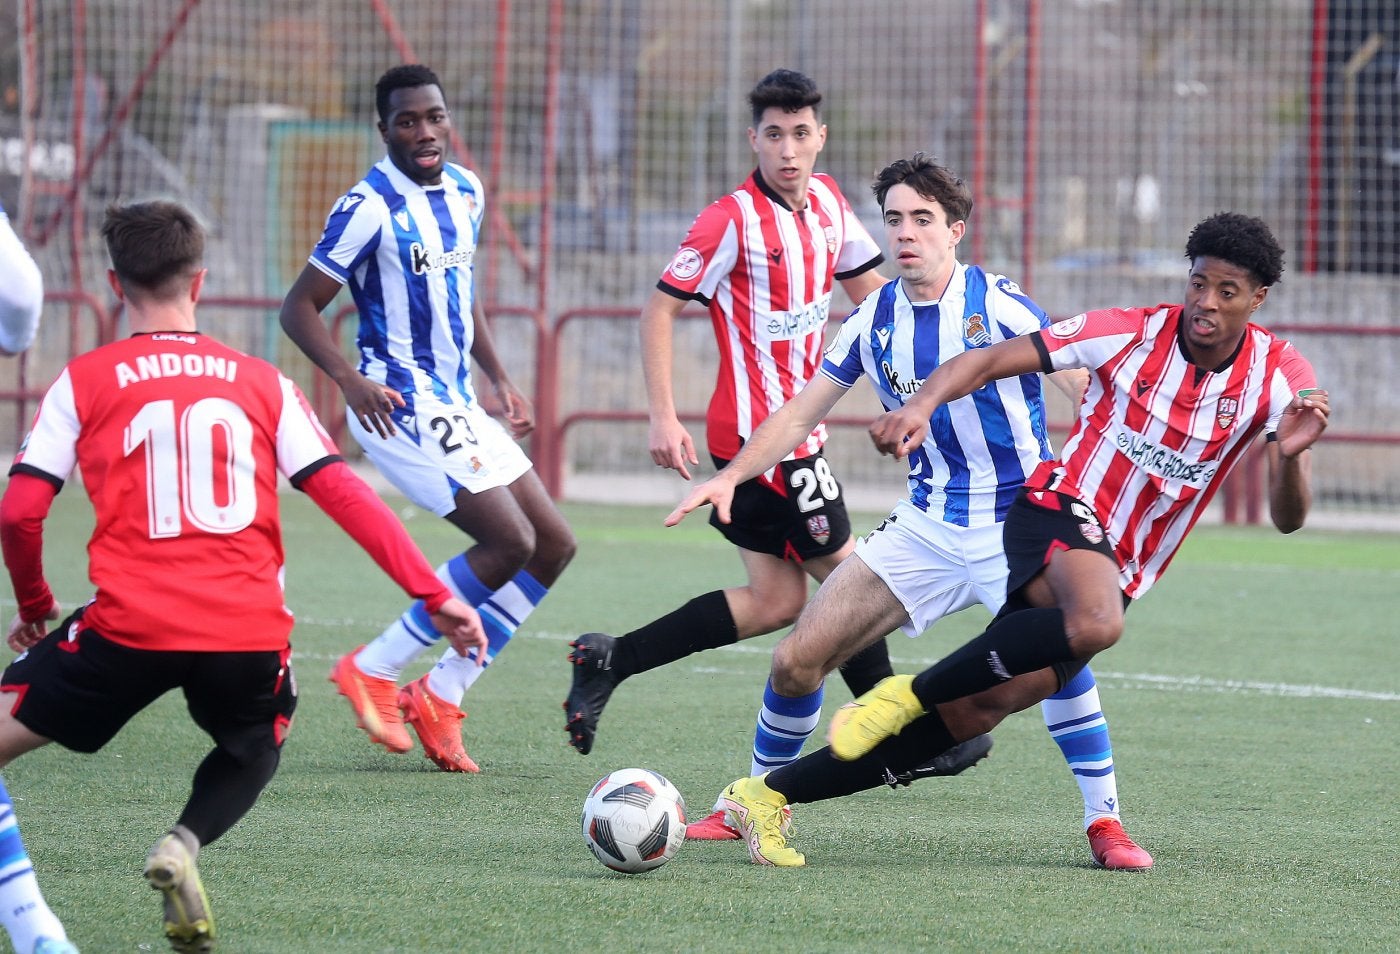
[
  {"x": 1039, "y": 523},
  {"x": 810, "y": 520},
  {"x": 80, "y": 692}
]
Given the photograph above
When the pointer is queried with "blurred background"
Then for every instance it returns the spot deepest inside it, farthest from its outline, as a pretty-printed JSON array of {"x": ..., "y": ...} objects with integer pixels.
[{"x": 1094, "y": 134}]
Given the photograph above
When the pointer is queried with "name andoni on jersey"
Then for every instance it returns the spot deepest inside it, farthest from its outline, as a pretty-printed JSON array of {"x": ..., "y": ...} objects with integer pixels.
[
  {"x": 168, "y": 365},
  {"x": 423, "y": 262}
]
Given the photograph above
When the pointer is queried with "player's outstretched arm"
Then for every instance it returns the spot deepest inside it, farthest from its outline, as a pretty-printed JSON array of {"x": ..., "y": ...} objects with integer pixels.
[
  {"x": 902, "y": 430},
  {"x": 1290, "y": 460},
  {"x": 718, "y": 492},
  {"x": 313, "y": 290},
  {"x": 358, "y": 511}
]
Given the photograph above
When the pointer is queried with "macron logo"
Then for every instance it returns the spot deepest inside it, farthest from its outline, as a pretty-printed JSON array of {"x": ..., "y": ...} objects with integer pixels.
[
  {"x": 348, "y": 202},
  {"x": 997, "y": 666}
]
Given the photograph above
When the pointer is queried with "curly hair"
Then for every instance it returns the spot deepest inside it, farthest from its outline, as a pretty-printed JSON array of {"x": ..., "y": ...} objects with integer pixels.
[
  {"x": 1241, "y": 240},
  {"x": 788, "y": 90},
  {"x": 407, "y": 76}
]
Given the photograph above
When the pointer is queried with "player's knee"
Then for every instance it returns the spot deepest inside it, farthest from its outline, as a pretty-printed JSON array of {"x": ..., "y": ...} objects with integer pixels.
[
  {"x": 793, "y": 673},
  {"x": 1093, "y": 630}
]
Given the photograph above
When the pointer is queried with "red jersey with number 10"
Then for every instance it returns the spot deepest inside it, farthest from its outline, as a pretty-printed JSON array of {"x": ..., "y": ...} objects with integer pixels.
[
  {"x": 179, "y": 440},
  {"x": 1156, "y": 435},
  {"x": 766, "y": 272}
]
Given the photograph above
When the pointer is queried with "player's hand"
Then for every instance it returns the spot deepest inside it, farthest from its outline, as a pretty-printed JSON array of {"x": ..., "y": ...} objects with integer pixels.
[
  {"x": 373, "y": 404},
  {"x": 671, "y": 446},
  {"x": 519, "y": 414},
  {"x": 1303, "y": 422},
  {"x": 717, "y": 491},
  {"x": 899, "y": 432},
  {"x": 23, "y": 635},
  {"x": 462, "y": 626}
]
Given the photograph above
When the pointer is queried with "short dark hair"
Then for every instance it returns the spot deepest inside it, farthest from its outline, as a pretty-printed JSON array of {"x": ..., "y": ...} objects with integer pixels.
[
  {"x": 152, "y": 244},
  {"x": 788, "y": 90},
  {"x": 922, "y": 173},
  {"x": 1241, "y": 240},
  {"x": 406, "y": 76}
]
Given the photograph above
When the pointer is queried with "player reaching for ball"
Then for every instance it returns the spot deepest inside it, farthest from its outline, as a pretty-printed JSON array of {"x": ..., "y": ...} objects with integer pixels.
[{"x": 1177, "y": 393}]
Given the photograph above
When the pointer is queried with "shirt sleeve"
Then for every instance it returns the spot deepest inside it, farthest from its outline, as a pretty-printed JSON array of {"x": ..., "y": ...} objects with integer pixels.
[
  {"x": 51, "y": 449},
  {"x": 301, "y": 440},
  {"x": 21, "y": 291},
  {"x": 859, "y": 252},
  {"x": 707, "y": 255},
  {"x": 1294, "y": 374},
  {"x": 23, "y": 510},
  {"x": 351, "y": 234},
  {"x": 358, "y": 511},
  {"x": 1090, "y": 339},
  {"x": 843, "y": 363}
]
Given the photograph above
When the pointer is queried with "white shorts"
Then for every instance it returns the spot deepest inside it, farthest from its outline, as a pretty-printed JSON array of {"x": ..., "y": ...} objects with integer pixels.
[
  {"x": 441, "y": 449},
  {"x": 934, "y": 568}
]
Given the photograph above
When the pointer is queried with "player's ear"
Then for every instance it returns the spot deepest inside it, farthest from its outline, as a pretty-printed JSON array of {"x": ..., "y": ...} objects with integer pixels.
[
  {"x": 116, "y": 284},
  {"x": 383, "y": 130},
  {"x": 197, "y": 284}
]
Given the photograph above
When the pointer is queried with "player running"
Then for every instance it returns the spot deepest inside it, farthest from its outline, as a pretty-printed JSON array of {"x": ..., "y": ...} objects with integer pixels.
[{"x": 179, "y": 439}]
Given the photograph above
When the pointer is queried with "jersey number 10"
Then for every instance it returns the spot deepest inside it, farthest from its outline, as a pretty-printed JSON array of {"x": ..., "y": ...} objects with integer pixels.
[{"x": 188, "y": 470}]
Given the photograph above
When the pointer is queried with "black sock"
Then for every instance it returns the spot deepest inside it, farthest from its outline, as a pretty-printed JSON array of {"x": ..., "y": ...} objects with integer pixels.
[
  {"x": 1017, "y": 643},
  {"x": 703, "y": 623},
  {"x": 821, "y": 775},
  {"x": 863, "y": 671},
  {"x": 223, "y": 791}
]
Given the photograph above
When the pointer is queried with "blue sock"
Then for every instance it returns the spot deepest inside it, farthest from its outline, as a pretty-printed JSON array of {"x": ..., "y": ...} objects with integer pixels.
[
  {"x": 22, "y": 908},
  {"x": 502, "y": 612},
  {"x": 1078, "y": 726},
  {"x": 784, "y": 726},
  {"x": 406, "y": 637}
]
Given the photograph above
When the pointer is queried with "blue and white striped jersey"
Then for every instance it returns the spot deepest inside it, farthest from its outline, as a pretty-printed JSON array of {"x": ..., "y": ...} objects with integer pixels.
[
  {"x": 406, "y": 252},
  {"x": 979, "y": 448}
]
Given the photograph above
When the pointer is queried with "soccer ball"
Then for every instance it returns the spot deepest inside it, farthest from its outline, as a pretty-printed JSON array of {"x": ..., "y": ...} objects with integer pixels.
[{"x": 634, "y": 820}]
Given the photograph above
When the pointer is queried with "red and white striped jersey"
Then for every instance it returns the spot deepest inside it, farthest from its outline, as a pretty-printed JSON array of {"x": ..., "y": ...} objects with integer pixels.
[
  {"x": 766, "y": 272},
  {"x": 179, "y": 439},
  {"x": 1156, "y": 435}
]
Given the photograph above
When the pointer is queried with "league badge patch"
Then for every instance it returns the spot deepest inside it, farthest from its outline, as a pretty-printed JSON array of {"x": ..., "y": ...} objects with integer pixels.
[{"x": 687, "y": 263}]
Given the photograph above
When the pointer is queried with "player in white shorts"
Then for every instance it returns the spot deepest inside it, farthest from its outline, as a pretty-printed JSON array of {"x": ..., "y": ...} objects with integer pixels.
[
  {"x": 430, "y": 476},
  {"x": 941, "y": 550},
  {"x": 403, "y": 240}
]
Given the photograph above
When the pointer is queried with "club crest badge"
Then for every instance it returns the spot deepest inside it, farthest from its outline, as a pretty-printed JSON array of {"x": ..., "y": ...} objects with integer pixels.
[
  {"x": 975, "y": 331},
  {"x": 1092, "y": 532},
  {"x": 830, "y": 231},
  {"x": 1225, "y": 411},
  {"x": 819, "y": 528}
]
